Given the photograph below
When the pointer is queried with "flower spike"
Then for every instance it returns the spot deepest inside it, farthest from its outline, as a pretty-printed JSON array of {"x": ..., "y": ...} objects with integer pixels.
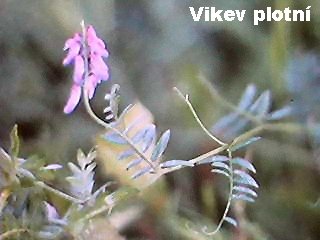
[{"x": 85, "y": 49}]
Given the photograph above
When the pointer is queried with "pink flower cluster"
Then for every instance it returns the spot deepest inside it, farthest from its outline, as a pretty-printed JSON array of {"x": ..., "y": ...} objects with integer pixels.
[{"x": 98, "y": 71}]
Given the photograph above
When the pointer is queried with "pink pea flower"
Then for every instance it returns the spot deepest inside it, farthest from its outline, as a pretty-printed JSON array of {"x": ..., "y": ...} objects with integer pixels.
[
  {"x": 98, "y": 71},
  {"x": 96, "y": 45}
]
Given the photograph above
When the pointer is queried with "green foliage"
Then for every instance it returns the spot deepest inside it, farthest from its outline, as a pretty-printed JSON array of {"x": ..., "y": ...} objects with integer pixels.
[{"x": 15, "y": 142}]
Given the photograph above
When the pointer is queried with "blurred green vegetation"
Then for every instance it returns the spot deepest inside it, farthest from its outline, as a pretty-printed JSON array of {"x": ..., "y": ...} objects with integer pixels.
[{"x": 155, "y": 46}]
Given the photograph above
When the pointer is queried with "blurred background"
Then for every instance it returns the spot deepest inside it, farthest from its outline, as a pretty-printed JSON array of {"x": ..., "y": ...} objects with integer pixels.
[{"x": 154, "y": 46}]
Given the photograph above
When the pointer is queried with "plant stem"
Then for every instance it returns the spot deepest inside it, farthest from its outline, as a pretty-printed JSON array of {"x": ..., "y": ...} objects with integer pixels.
[
  {"x": 108, "y": 126},
  {"x": 196, "y": 159},
  {"x": 97, "y": 212},
  {"x": 57, "y": 192},
  {"x": 276, "y": 127},
  {"x": 186, "y": 99},
  {"x": 226, "y": 210},
  {"x": 93, "y": 115},
  {"x": 209, "y": 154}
]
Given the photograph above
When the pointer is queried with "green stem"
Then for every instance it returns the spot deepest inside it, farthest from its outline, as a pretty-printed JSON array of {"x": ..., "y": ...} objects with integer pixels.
[
  {"x": 209, "y": 154},
  {"x": 93, "y": 115},
  {"x": 186, "y": 99},
  {"x": 226, "y": 210},
  {"x": 57, "y": 192},
  {"x": 195, "y": 160},
  {"x": 97, "y": 212},
  {"x": 276, "y": 127}
]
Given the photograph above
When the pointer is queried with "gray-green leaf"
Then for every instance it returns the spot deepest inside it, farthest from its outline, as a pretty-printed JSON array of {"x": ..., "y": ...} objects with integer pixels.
[{"x": 161, "y": 146}]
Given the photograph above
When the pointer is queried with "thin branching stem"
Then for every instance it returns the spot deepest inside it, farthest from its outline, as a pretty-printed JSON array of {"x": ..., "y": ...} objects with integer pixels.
[
  {"x": 93, "y": 115},
  {"x": 57, "y": 192},
  {"x": 198, "y": 159},
  {"x": 209, "y": 154},
  {"x": 281, "y": 127},
  {"x": 103, "y": 209},
  {"x": 226, "y": 210},
  {"x": 276, "y": 127},
  {"x": 195, "y": 115}
]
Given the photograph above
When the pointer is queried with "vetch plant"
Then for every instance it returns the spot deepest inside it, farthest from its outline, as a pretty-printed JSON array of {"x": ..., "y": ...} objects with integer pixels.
[{"x": 140, "y": 153}]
